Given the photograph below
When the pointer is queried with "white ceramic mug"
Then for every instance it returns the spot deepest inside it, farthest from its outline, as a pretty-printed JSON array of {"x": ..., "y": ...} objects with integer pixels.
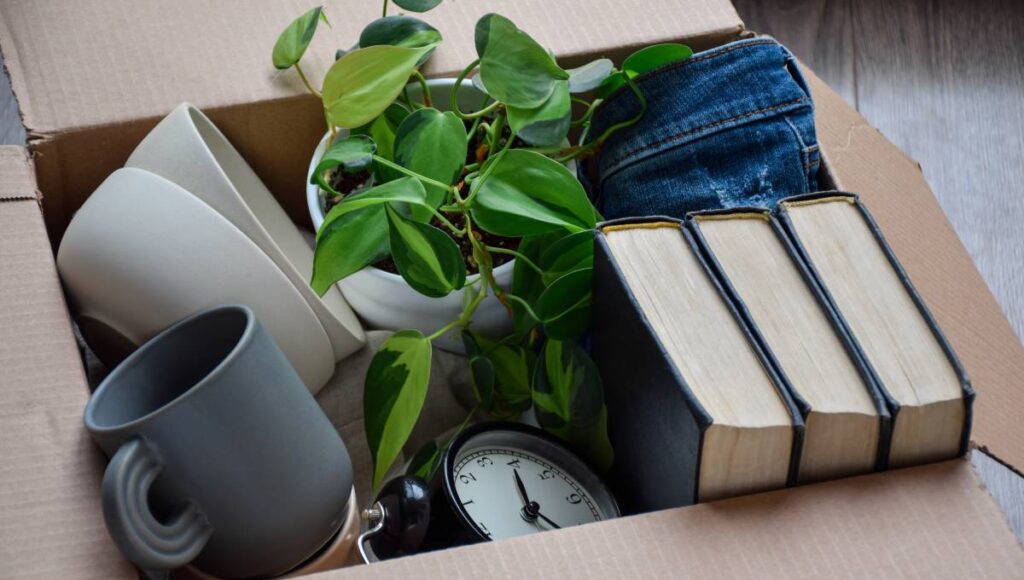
[
  {"x": 143, "y": 253},
  {"x": 188, "y": 149}
]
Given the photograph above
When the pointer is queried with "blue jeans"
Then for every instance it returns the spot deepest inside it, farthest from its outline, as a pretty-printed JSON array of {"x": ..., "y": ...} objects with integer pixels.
[{"x": 732, "y": 126}]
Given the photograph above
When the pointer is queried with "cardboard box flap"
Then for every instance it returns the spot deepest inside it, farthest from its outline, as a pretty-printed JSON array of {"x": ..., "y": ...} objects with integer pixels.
[
  {"x": 82, "y": 64},
  {"x": 17, "y": 181},
  {"x": 891, "y": 185},
  {"x": 935, "y": 521},
  {"x": 49, "y": 469}
]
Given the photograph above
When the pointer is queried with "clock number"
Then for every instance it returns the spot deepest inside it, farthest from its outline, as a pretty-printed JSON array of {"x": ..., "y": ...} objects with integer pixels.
[
  {"x": 546, "y": 474},
  {"x": 574, "y": 498},
  {"x": 467, "y": 477},
  {"x": 513, "y": 463},
  {"x": 483, "y": 528},
  {"x": 484, "y": 461}
]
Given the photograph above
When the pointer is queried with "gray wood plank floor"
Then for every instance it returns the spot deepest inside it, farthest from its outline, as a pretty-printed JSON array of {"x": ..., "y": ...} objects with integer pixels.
[{"x": 944, "y": 80}]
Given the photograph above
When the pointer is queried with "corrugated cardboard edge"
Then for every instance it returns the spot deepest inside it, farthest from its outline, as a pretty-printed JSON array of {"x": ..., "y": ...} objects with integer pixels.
[
  {"x": 51, "y": 525},
  {"x": 934, "y": 521},
  {"x": 892, "y": 187}
]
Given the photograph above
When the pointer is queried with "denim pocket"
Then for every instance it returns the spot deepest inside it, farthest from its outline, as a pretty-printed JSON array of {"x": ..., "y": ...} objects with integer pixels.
[{"x": 728, "y": 127}]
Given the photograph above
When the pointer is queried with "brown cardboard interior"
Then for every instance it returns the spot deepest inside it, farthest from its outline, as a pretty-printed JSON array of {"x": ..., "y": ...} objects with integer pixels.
[{"x": 85, "y": 115}]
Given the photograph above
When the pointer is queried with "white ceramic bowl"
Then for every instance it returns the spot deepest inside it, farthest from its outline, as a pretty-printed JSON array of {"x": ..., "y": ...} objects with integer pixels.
[
  {"x": 383, "y": 300},
  {"x": 187, "y": 149}
]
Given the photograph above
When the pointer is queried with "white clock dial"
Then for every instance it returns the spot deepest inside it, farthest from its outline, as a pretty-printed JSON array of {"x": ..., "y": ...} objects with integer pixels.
[{"x": 486, "y": 486}]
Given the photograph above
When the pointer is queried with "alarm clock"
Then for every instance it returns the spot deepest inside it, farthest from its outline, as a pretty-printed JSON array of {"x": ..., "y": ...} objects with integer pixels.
[{"x": 495, "y": 481}]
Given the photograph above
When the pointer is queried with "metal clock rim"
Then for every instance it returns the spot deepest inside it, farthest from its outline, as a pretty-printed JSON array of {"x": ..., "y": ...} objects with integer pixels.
[{"x": 448, "y": 471}]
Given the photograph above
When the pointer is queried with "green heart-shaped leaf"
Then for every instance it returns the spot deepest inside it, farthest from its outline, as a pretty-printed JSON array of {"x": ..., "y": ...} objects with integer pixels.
[
  {"x": 567, "y": 254},
  {"x": 295, "y": 39},
  {"x": 434, "y": 145},
  {"x": 402, "y": 193},
  {"x": 482, "y": 372},
  {"x": 426, "y": 461},
  {"x": 396, "y": 386},
  {"x": 610, "y": 84},
  {"x": 382, "y": 130},
  {"x": 569, "y": 400},
  {"x": 546, "y": 125},
  {"x": 361, "y": 84},
  {"x": 527, "y": 283},
  {"x": 564, "y": 306},
  {"x": 427, "y": 258},
  {"x": 589, "y": 76},
  {"x": 656, "y": 56},
  {"x": 399, "y": 31},
  {"x": 352, "y": 242},
  {"x": 516, "y": 70},
  {"x": 417, "y": 5},
  {"x": 524, "y": 193},
  {"x": 353, "y": 153}
]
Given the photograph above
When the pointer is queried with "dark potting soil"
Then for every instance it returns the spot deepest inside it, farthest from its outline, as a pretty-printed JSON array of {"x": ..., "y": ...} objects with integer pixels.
[{"x": 346, "y": 183}]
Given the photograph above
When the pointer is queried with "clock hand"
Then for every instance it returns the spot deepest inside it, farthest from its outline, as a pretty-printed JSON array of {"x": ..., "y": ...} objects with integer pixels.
[
  {"x": 550, "y": 523},
  {"x": 522, "y": 488}
]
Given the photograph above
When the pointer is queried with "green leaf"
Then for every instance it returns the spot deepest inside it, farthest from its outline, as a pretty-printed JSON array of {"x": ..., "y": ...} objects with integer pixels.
[
  {"x": 525, "y": 193},
  {"x": 516, "y": 70},
  {"x": 353, "y": 153},
  {"x": 417, "y": 5},
  {"x": 610, "y": 84},
  {"x": 482, "y": 372},
  {"x": 295, "y": 39},
  {"x": 569, "y": 400},
  {"x": 564, "y": 306},
  {"x": 527, "y": 282},
  {"x": 426, "y": 461},
  {"x": 546, "y": 125},
  {"x": 399, "y": 31},
  {"x": 656, "y": 56},
  {"x": 589, "y": 76},
  {"x": 427, "y": 258},
  {"x": 382, "y": 130},
  {"x": 513, "y": 368},
  {"x": 398, "y": 193},
  {"x": 351, "y": 243},
  {"x": 567, "y": 254},
  {"x": 434, "y": 145},
  {"x": 362, "y": 83},
  {"x": 396, "y": 386}
]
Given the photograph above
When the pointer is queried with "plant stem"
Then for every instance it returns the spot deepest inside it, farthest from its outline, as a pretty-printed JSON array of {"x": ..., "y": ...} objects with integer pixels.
[
  {"x": 475, "y": 187},
  {"x": 444, "y": 221},
  {"x": 384, "y": 12},
  {"x": 444, "y": 330},
  {"x": 518, "y": 256},
  {"x": 410, "y": 173},
  {"x": 525, "y": 305},
  {"x": 589, "y": 147},
  {"x": 455, "y": 95},
  {"x": 305, "y": 81},
  {"x": 423, "y": 88}
]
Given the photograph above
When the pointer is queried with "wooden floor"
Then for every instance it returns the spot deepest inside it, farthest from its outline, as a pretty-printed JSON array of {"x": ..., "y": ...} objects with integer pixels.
[{"x": 944, "y": 80}]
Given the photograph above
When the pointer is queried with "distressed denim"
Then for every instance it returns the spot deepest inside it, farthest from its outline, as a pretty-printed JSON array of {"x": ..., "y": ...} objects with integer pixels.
[{"x": 732, "y": 126}]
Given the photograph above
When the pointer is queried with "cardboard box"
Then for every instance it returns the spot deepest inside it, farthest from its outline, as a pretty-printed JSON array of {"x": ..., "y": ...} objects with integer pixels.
[{"x": 92, "y": 78}]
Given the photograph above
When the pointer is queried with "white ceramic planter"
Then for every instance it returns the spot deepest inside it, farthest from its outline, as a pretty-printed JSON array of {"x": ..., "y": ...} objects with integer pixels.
[{"x": 383, "y": 300}]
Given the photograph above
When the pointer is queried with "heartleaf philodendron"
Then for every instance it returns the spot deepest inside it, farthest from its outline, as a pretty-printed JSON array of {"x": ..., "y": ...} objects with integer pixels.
[
  {"x": 526, "y": 193},
  {"x": 447, "y": 187},
  {"x": 432, "y": 144},
  {"x": 362, "y": 83},
  {"x": 426, "y": 257},
  {"x": 295, "y": 39},
  {"x": 399, "y": 373}
]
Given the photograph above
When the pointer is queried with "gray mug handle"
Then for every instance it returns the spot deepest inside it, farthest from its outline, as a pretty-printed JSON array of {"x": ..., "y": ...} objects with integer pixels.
[{"x": 148, "y": 543}]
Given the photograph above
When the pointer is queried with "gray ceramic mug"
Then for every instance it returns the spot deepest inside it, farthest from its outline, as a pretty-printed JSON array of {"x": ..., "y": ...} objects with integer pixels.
[{"x": 219, "y": 454}]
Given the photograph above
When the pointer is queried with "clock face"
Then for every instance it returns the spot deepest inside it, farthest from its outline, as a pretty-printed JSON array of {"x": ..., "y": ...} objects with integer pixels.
[{"x": 511, "y": 483}]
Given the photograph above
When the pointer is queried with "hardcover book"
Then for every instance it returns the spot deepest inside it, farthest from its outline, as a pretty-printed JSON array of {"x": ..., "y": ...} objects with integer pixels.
[
  {"x": 928, "y": 392},
  {"x": 846, "y": 417},
  {"x": 696, "y": 411}
]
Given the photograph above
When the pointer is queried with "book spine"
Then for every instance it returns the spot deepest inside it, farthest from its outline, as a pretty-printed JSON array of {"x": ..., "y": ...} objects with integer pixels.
[{"x": 655, "y": 424}]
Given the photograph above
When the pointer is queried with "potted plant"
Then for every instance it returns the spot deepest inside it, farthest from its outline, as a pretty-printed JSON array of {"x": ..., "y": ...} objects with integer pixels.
[{"x": 453, "y": 193}]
